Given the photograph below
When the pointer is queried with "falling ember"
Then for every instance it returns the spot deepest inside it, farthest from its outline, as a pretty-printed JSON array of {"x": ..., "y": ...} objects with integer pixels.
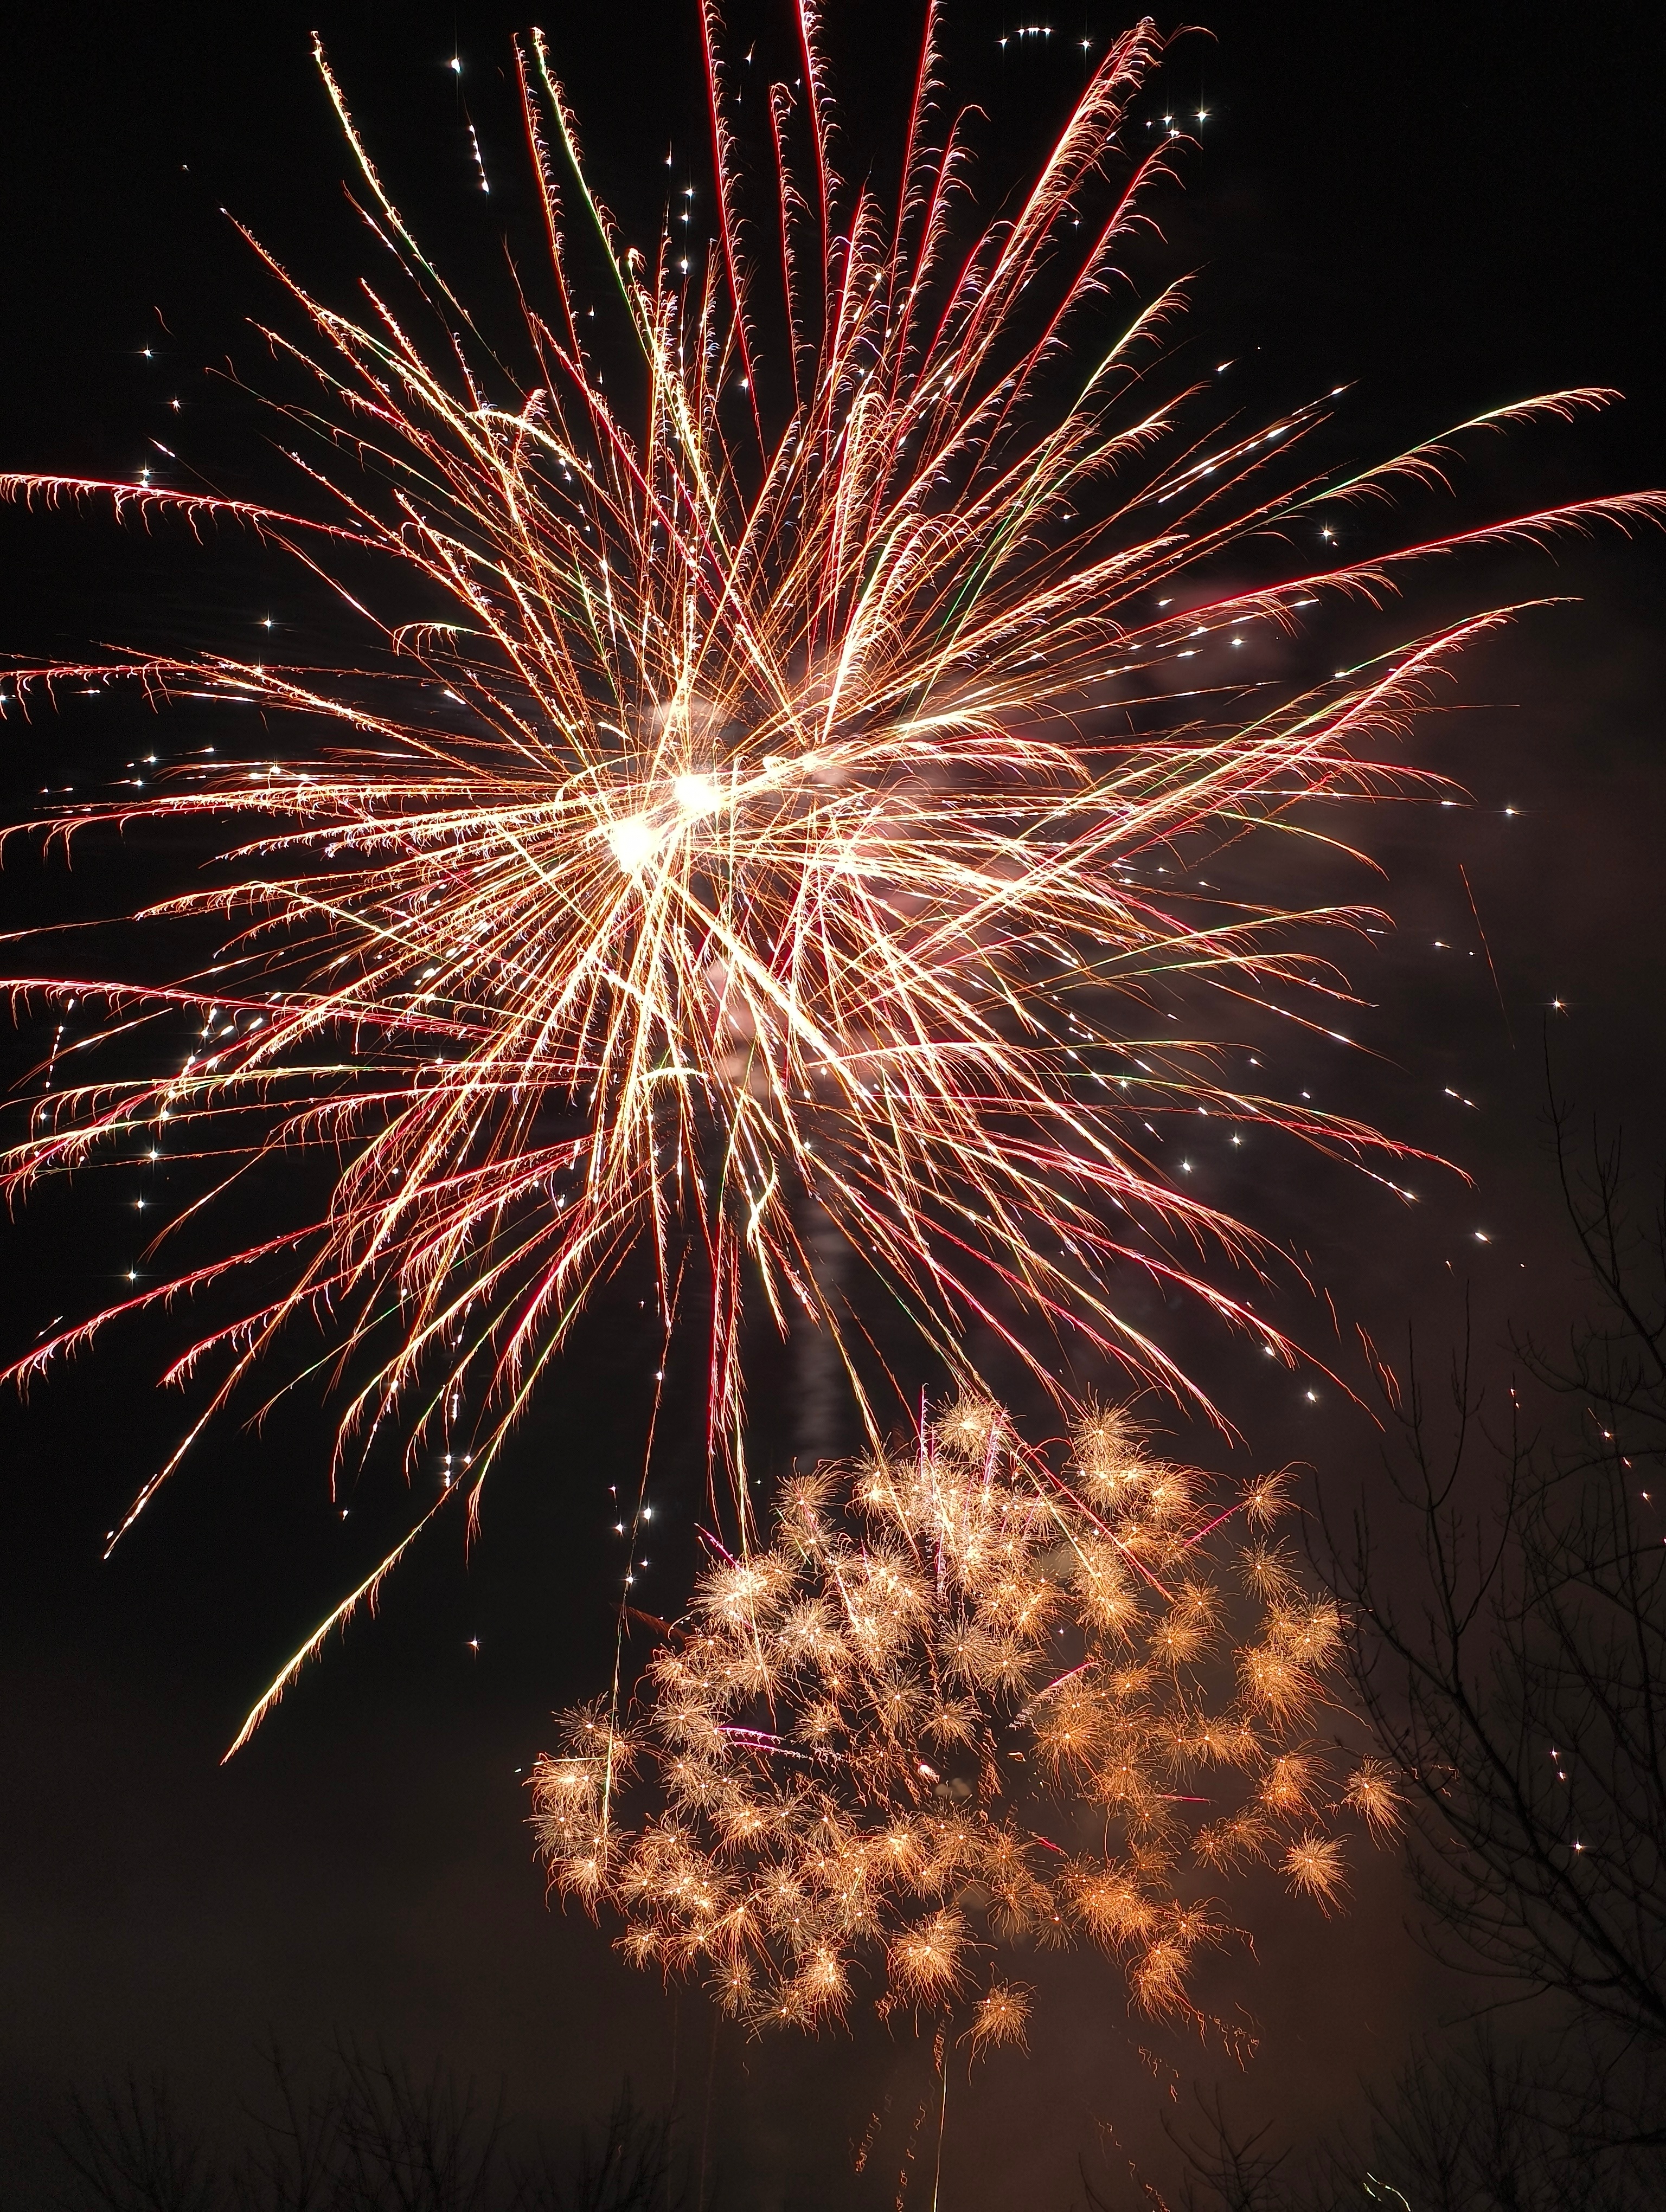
[
  {"x": 775, "y": 823},
  {"x": 1372, "y": 1794},
  {"x": 913, "y": 1731},
  {"x": 1314, "y": 1866},
  {"x": 1001, "y": 2018}
]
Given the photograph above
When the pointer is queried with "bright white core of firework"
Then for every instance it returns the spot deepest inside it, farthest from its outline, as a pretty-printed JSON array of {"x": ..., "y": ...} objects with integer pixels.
[{"x": 633, "y": 841}]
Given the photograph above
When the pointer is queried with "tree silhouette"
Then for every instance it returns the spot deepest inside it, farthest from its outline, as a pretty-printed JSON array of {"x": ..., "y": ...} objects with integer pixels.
[
  {"x": 1515, "y": 1677},
  {"x": 370, "y": 2135}
]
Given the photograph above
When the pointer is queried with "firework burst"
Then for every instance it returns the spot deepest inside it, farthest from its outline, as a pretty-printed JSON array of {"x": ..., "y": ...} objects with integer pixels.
[
  {"x": 745, "y": 808},
  {"x": 967, "y": 1699}
]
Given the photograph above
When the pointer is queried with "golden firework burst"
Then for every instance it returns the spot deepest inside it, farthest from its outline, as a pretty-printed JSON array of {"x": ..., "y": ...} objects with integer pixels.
[{"x": 909, "y": 1735}]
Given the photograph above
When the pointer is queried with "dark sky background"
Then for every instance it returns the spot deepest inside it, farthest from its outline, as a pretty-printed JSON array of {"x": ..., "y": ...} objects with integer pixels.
[{"x": 1446, "y": 206}]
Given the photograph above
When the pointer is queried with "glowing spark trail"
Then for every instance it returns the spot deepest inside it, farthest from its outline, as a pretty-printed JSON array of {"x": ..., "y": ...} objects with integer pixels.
[{"x": 765, "y": 797}]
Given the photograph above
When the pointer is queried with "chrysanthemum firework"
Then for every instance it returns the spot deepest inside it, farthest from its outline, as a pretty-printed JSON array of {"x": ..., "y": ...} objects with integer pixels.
[
  {"x": 752, "y": 802},
  {"x": 967, "y": 1697}
]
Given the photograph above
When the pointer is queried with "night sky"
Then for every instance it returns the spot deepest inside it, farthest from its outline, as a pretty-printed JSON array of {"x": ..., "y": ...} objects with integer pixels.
[{"x": 1446, "y": 207}]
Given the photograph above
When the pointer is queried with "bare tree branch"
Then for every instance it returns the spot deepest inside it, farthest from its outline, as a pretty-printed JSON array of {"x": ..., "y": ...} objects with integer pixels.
[{"x": 1515, "y": 1676}]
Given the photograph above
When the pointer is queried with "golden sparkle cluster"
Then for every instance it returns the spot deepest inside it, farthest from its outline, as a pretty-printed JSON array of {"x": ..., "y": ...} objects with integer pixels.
[{"x": 967, "y": 1699}]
